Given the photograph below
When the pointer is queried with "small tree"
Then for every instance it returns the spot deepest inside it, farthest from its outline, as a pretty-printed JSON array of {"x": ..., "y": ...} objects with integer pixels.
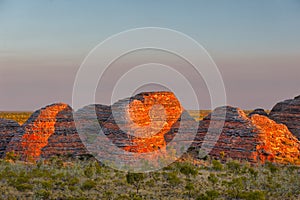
[
  {"x": 217, "y": 165},
  {"x": 188, "y": 169},
  {"x": 173, "y": 179},
  {"x": 135, "y": 179}
]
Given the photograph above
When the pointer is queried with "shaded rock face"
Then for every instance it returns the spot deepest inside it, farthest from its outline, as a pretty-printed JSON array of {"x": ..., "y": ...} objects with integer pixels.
[
  {"x": 288, "y": 112},
  {"x": 102, "y": 112},
  {"x": 8, "y": 128},
  {"x": 237, "y": 139},
  {"x": 49, "y": 131},
  {"x": 258, "y": 111},
  {"x": 254, "y": 139}
]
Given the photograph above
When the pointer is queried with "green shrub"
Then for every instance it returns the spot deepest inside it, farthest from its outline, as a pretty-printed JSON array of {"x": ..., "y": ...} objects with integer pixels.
[
  {"x": 217, "y": 165},
  {"x": 253, "y": 195},
  {"x": 203, "y": 197},
  {"x": 173, "y": 178},
  {"x": 213, "y": 178},
  {"x": 236, "y": 187},
  {"x": 88, "y": 185},
  {"x": 40, "y": 173},
  {"x": 253, "y": 172},
  {"x": 72, "y": 188},
  {"x": 151, "y": 183},
  {"x": 212, "y": 194},
  {"x": 47, "y": 184},
  {"x": 24, "y": 186},
  {"x": 58, "y": 176},
  {"x": 123, "y": 197},
  {"x": 89, "y": 171},
  {"x": 188, "y": 169},
  {"x": 189, "y": 186},
  {"x": 233, "y": 166},
  {"x": 209, "y": 195},
  {"x": 271, "y": 167},
  {"x": 73, "y": 181},
  {"x": 135, "y": 197},
  {"x": 108, "y": 194},
  {"x": 18, "y": 180},
  {"x": 42, "y": 194}
]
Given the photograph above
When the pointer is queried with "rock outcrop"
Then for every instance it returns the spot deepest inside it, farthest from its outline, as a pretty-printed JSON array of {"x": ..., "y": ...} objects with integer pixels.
[
  {"x": 145, "y": 119},
  {"x": 140, "y": 124},
  {"x": 255, "y": 139},
  {"x": 8, "y": 128},
  {"x": 276, "y": 142},
  {"x": 258, "y": 111},
  {"x": 288, "y": 112},
  {"x": 143, "y": 123},
  {"x": 148, "y": 122},
  {"x": 49, "y": 131}
]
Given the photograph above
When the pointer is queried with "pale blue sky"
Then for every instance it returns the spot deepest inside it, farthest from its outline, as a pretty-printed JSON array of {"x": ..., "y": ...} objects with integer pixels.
[{"x": 256, "y": 44}]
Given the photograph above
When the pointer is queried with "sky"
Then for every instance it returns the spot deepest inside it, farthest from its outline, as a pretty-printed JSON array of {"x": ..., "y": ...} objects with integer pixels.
[{"x": 255, "y": 44}]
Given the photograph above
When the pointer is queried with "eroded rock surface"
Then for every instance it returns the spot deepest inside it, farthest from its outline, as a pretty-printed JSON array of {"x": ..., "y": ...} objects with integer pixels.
[
  {"x": 254, "y": 139},
  {"x": 288, "y": 112},
  {"x": 143, "y": 123},
  {"x": 49, "y": 131},
  {"x": 147, "y": 123},
  {"x": 8, "y": 128}
]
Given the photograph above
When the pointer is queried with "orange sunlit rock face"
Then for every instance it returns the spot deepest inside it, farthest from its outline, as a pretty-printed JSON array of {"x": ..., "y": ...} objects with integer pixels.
[
  {"x": 277, "y": 143},
  {"x": 37, "y": 134},
  {"x": 48, "y": 132},
  {"x": 150, "y": 119}
]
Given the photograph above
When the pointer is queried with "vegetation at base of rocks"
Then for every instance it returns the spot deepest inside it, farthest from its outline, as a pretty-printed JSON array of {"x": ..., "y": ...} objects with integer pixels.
[
  {"x": 198, "y": 114},
  {"x": 62, "y": 178},
  {"x": 20, "y": 117}
]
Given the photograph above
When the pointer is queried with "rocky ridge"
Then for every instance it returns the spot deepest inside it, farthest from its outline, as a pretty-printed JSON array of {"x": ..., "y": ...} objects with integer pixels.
[
  {"x": 149, "y": 121},
  {"x": 143, "y": 123},
  {"x": 288, "y": 112},
  {"x": 255, "y": 139}
]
